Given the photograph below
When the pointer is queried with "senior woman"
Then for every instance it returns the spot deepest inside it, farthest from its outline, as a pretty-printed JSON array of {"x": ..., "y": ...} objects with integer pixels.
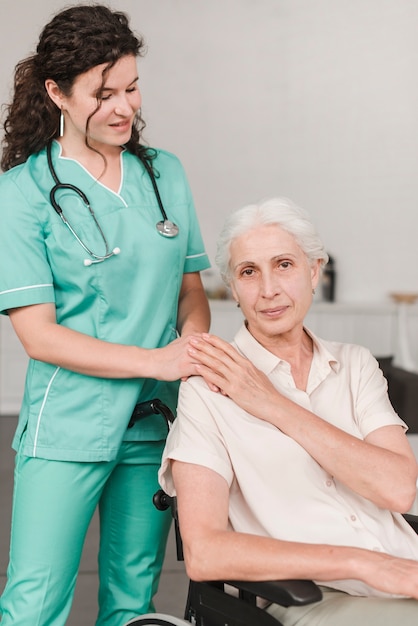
[{"x": 291, "y": 442}]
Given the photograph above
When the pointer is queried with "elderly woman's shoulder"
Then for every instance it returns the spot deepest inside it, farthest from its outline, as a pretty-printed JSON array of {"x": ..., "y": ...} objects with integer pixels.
[{"x": 344, "y": 351}]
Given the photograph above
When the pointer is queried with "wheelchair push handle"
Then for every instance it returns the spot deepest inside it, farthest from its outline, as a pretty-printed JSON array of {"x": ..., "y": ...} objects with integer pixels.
[
  {"x": 162, "y": 501},
  {"x": 151, "y": 407}
]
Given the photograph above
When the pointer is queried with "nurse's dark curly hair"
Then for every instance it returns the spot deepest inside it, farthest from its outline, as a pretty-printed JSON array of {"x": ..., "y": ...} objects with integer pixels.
[{"x": 74, "y": 41}]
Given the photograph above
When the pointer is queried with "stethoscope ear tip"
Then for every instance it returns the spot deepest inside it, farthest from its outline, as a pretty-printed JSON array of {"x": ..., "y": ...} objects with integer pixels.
[{"x": 116, "y": 250}]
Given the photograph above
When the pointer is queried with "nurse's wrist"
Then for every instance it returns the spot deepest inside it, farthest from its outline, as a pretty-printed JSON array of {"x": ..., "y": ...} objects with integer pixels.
[
  {"x": 143, "y": 362},
  {"x": 150, "y": 365}
]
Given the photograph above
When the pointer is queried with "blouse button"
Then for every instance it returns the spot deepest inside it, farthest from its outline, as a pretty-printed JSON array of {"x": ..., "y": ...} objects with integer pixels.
[{"x": 353, "y": 518}]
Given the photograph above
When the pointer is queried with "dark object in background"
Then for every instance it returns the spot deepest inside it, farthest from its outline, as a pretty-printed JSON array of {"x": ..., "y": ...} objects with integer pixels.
[
  {"x": 403, "y": 392},
  {"x": 328, "y": 281}
]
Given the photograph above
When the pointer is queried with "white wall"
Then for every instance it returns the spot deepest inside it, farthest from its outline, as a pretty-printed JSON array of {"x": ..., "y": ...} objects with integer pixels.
[{"x": 313, "y": 99}]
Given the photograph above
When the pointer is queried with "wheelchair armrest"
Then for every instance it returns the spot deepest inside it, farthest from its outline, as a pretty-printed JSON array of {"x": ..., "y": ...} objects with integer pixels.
[
  {"x": 294, "y": 592},
  {"x": 283, "y": 592},
  {"x": 412, "y": 521}
]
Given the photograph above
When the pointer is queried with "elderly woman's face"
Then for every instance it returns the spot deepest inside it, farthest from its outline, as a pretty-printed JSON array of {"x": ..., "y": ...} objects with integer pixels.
[{"x": 272, "y": 280}]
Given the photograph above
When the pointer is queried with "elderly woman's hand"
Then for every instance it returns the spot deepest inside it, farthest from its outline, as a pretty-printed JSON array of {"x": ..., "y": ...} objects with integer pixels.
[{"x": 226, "y": 371}]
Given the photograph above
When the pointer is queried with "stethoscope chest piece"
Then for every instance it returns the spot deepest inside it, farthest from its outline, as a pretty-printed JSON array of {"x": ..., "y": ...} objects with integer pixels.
[{"x": 166, "y": 228}]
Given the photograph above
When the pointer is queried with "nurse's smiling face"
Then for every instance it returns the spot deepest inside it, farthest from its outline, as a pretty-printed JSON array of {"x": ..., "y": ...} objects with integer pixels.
[
  {"x": 272, "y": 280},
  {"x": 109, "y": 122}
]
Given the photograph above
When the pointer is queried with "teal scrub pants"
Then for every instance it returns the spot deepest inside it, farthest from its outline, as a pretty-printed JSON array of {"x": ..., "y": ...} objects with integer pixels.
[{"x": 53, "y": 504}]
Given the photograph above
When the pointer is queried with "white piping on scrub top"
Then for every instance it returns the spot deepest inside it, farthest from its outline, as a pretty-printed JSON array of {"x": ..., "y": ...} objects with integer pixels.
[
  {"x": 42, "y": 409},
  {"x": 27, "y": 287},
  {"x": 196, "y": 256}
]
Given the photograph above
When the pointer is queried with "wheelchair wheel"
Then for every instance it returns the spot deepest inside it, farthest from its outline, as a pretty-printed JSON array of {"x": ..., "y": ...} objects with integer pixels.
[{"x": 158, "y": 619}]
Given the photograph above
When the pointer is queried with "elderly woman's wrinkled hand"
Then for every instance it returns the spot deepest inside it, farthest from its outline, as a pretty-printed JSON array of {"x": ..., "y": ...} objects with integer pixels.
[{"x": 226, "y": 371}]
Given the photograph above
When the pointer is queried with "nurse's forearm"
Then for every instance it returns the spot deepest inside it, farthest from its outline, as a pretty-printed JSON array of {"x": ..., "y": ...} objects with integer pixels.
[
  {"x": 193, "y": 309},
  {"x": 45, "y": 340}
]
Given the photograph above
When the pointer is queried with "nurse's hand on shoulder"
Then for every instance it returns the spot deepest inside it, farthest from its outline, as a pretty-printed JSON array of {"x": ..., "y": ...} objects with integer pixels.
[
  {"x": 174, "y": 361},
  {"x": 226, "y": 371}
]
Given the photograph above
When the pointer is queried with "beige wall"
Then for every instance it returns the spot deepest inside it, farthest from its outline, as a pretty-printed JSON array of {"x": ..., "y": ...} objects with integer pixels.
[{"x": 312, "y": 99}]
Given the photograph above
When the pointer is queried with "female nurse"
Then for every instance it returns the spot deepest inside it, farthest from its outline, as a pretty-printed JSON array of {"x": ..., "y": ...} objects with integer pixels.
[{"x": 105, "y": 305}]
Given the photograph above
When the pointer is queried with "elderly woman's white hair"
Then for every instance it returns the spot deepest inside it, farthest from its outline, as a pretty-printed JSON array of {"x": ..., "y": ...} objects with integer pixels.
[{"x": 279, "y": 211}]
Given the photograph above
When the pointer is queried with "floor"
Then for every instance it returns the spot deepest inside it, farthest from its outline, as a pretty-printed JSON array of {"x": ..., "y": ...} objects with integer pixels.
[{"x": 173, "y": 586}]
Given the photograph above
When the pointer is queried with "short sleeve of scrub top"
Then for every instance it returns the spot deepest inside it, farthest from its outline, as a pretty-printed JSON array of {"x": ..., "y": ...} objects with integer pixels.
[{"x": 26, "y": 276}]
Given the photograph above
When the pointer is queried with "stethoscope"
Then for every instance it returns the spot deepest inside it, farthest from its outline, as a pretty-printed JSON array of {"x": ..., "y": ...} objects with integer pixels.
[{"x": 165, "y": 227}]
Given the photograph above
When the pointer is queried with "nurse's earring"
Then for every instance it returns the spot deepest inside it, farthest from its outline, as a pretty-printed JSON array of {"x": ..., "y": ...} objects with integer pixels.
[{"x": 62, "y": 123}]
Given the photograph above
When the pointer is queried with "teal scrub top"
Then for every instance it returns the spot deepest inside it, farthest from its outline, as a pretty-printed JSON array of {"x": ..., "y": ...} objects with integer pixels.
[{"x": 130, "y": 298}]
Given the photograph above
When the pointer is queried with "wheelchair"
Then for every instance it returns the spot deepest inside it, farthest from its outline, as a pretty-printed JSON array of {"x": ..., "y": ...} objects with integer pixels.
[
  {"x": 226, "y": 603},
  {"x": 215, "y": 604}
]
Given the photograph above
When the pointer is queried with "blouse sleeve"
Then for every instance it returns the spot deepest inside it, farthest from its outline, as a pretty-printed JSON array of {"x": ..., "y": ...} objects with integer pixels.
[
  {"x": 194, "y": 438},
  {"x": 373, "y": 406}
]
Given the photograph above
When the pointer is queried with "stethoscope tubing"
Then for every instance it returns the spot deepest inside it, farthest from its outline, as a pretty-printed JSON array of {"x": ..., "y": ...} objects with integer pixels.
[{"x": 165, "y": 227}]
